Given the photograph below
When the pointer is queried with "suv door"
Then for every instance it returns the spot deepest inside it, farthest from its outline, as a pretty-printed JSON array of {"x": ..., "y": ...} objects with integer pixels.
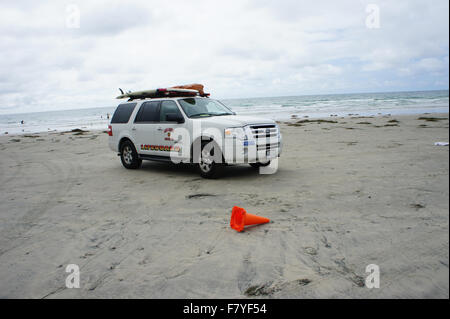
[
  {"x": 166, "y": 127},
  {"x": 145, "y": 128}
]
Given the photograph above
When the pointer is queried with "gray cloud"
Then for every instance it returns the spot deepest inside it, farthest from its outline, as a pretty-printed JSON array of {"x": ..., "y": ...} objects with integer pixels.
[{"x": 236, "y": 48}]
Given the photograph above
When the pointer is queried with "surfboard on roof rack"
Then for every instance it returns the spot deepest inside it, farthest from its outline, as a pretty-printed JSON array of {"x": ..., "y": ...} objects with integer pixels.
[
  {"x": 194, "y": 86},
  {"x": 174, "y": 91},
  {"x": 158, "y": 93}
]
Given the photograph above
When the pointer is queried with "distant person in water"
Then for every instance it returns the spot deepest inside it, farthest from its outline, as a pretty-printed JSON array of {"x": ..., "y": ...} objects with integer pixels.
[{"x": 22, "y": 122}]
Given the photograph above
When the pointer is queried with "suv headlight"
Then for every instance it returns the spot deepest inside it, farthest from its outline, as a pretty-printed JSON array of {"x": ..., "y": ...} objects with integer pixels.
[{"x": 235, "y": 132}]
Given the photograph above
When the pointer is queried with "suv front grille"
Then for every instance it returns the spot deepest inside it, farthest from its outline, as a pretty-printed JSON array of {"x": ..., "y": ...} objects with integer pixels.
[
  {"x": 264, "y": 131},
  {"x": 266, "y": 136}
]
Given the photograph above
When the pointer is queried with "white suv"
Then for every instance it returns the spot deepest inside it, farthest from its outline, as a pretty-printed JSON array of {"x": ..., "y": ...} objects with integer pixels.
[{"x": 197, "y": 130}]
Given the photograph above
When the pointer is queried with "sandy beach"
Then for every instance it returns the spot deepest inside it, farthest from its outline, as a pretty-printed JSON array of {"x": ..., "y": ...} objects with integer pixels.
[{"x": 349, "y": 192}]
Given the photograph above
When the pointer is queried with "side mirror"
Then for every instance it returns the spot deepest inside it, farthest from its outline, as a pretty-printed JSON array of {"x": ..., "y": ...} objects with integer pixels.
[{"x": 174, "y": 117}]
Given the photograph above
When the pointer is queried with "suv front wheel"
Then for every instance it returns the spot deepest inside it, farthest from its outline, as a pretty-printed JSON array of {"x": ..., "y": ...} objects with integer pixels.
[
  {"x": 207, "y": 166},
  {"x": 129, "y": 156}
]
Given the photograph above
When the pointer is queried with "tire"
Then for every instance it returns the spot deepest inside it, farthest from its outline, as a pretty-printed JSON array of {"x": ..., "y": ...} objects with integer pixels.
[
  {"x": 207, "y": 167},
  {"x": 259, "y": 164},
  {"x": 129, "y": 156}
]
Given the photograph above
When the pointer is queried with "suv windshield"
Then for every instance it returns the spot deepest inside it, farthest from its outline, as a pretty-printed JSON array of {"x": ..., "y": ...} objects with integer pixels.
[{"x": 195, "y": 107}]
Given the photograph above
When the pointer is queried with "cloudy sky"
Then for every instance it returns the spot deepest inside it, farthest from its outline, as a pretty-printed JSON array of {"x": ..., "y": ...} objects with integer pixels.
[{"x": 59, "y": 55}]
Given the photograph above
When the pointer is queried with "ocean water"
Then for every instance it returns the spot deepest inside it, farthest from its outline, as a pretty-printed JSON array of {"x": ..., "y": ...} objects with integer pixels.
[
  {"x": 277, "y": 108},
  {"x": 280, "y": 108}
]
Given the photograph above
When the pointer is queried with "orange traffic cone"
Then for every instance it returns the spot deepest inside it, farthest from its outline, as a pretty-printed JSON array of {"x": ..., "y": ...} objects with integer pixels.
[{"x": 240, "y": 218}]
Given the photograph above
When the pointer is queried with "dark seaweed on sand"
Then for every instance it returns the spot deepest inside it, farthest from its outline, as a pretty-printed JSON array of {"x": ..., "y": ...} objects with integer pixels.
[
  {"x": 315, "y": 121},
  {"x": 432, "y": 119}
]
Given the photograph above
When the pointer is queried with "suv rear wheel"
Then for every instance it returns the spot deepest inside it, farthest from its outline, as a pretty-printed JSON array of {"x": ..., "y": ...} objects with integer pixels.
[{"x": 129, "y": 156}]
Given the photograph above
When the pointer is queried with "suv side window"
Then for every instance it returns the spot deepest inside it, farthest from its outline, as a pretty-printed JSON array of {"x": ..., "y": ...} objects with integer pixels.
[
  {"x": 148, "y": 113},
  {"x": 123, "y": 113},
  {"x": 168, "y": 107}
]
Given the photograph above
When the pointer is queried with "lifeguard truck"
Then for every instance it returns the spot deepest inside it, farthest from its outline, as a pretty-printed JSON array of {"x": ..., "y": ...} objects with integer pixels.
[{"x": 182, "y": 124}]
